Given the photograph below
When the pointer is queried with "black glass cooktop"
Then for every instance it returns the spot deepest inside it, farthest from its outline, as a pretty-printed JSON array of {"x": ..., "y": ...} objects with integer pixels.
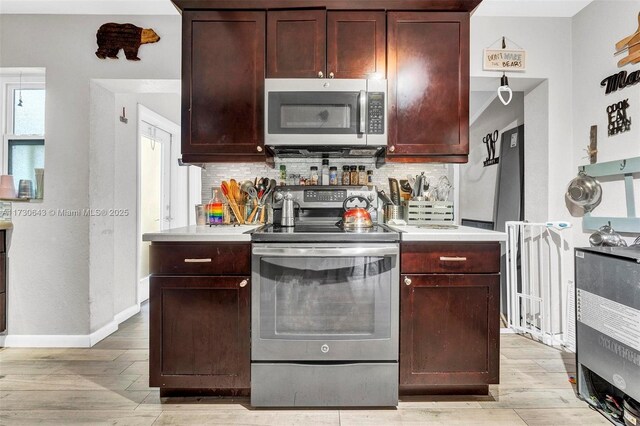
[{"x": 323, "y": 233}]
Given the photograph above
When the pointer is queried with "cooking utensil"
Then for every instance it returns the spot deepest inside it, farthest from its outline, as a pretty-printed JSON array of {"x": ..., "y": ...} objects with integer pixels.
[
  {"x": 392, "y": 212},
  {"x": 249, "y": 189},
  {"x": 584, "y": 191},
  {"x": 384, "y": 197},
  {"x": 606, "y": 237},
  {"x": 229, "y": 193},
  {"x": 356, "y": 217},
  {"x": 394, "y": 191}
]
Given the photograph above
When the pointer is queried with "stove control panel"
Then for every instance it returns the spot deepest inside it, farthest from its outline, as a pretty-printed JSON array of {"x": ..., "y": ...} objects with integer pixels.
[{"x": 326, "y": 196}]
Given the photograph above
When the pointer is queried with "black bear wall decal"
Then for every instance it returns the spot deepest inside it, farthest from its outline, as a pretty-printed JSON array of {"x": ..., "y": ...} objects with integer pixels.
[{"x": 112, "y": 37}]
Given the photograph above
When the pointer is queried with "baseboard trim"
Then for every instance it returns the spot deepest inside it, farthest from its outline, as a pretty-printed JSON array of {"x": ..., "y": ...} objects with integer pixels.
[
  {"x": 102, "y": 332},
  {"x": 68, "y": 340},
  {"x": 124, "y": 315},
  {"x": 46, "y": 341}
]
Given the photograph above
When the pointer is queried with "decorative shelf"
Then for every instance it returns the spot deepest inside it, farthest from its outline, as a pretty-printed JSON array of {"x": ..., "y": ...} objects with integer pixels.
[{"x": 617, "y": 169}]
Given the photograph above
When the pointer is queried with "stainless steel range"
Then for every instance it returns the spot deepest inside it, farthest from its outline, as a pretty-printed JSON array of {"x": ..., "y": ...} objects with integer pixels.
[{"x": 325, "y": 306}]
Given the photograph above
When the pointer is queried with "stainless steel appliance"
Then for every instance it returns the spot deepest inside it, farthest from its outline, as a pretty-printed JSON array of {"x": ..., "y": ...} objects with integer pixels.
[
  {"x": 608, "y": 323},
  {"x": 325, "y": 306},
  {"x": 322, "y": 112}
]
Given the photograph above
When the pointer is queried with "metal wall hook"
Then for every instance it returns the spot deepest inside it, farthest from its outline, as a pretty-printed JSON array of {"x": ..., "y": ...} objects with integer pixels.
[{"x": 623, "y": 164}]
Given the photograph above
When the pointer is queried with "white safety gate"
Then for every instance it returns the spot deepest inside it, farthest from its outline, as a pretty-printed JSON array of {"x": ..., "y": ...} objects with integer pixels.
[{"x": 540, "y": 289}]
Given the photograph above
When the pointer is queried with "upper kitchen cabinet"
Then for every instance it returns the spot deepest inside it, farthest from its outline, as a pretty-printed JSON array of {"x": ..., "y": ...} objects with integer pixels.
[
  {"x": 333, "y": 44},
  {"x": 428, "y": 77},
  {"x": 296, "y": 46},
  {"x": 356, "y": 44},
  {"x": 223, "y": 66}
]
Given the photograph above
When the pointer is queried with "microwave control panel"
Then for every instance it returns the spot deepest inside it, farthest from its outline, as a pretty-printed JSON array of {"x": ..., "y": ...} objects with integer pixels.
[{"x": 375, "y": 112}]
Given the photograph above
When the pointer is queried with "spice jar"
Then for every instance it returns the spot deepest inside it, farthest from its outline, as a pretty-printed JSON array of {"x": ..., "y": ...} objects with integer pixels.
[
  {"x": 369, "y": 177},
  {"x": 362, "y": 175},
  {"x": 333, "y": 175},
  {"x": 346, "y": 175},
  {"x": 353, "y": 175},
  {"x": 314, "y": 175}
]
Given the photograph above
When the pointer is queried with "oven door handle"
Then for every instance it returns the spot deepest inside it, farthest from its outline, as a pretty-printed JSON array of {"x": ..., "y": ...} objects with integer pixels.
[{"x": 328, "y": 252}]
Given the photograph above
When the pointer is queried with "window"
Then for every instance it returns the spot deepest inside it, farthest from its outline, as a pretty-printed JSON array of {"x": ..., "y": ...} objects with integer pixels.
[
  {"x": 24, "y": 120},
  {"x": 28, "y": 111},
  {"x": 25, "y": 155}
]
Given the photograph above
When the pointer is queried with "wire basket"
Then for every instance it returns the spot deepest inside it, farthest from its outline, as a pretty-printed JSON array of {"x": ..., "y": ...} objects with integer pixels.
[{"x": 429, "y": 212}]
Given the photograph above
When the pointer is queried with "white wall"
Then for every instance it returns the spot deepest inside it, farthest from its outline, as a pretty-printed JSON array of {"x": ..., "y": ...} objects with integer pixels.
[
  {"x": 478, "y": 183},
  {"x": 113, "y": 169},
  {"x": 49, "y": 256},
  {"x": 595, "y": 31},
  {"x": 548, "y": 45}
]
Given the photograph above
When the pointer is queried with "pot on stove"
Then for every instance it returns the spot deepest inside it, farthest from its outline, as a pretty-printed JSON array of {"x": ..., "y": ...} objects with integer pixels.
[{"x": 356, "y": 217}]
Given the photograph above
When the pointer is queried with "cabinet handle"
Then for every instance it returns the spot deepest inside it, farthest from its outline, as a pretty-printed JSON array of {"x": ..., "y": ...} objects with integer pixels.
[
  {"x": 331, "y": 75},
  {"x": 452, "y": 259},
  {"x": 320, "y": 74},
  {"x": 392, "y": 148},
  {"x": 197, "y": 260},
  {"x": 244, "y": 283},
  {"x": 407, "y": 280},
  {"x": 259, "y": 148}
]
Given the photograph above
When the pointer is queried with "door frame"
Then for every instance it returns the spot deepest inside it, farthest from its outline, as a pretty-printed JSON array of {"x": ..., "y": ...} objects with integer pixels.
[{"x": 147, "y": 115}]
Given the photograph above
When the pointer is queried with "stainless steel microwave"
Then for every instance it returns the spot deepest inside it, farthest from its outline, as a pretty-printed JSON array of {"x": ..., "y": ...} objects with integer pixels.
[{"x": 322, "y": 112}]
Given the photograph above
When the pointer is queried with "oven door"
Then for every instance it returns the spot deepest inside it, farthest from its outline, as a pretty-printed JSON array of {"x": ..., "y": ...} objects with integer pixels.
[
  {"x": 319, "y": 302},
  {"x": 315, "y": 112}
]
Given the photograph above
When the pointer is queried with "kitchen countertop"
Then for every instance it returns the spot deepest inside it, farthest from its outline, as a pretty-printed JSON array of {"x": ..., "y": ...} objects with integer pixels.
[
  {"x": 462, "y": 233},
  {"x": 203, "y": 234}
]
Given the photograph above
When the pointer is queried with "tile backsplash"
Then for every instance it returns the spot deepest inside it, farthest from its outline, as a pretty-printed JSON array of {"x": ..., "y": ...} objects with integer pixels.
[{"x": 214, "y": 173}]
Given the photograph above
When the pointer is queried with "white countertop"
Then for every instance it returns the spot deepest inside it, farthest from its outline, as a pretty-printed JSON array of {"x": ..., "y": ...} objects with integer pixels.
[
  {"x": 462, "y": 233},
  {"x": 203, "y": 234}
]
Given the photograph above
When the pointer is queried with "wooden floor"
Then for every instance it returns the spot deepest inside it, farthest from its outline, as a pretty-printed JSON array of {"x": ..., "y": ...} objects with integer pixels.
[{"x": 108, "y": 384}]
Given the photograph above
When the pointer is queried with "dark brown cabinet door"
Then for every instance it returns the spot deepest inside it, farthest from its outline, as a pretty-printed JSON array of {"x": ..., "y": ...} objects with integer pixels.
[
  {"x": 428, "y": 73},
  {"x": 356, "y": 44},
  {"x": 449, "y": 329},
  {"x": 223, "y": 85},
  {"x": 200, "y": 333},
  {"x": 296, "y": 46}
]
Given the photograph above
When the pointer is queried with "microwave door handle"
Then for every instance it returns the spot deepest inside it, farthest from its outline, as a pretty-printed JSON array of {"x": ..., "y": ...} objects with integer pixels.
[{"x": 363, "y": 111}]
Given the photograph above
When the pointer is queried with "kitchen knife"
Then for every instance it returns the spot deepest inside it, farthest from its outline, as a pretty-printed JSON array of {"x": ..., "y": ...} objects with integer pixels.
[
  {"x": 384, "y": 197},
  {"x": 394, "y": 191}
]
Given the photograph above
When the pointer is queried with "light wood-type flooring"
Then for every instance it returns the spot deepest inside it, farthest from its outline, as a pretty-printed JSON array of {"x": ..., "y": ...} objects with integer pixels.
[{"x": 108, "y": 384}]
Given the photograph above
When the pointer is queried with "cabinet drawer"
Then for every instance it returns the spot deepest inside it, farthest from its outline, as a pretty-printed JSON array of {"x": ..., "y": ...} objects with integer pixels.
[
  {"x": 200, "y": 259},
  {"x": 446, "y": 258}
]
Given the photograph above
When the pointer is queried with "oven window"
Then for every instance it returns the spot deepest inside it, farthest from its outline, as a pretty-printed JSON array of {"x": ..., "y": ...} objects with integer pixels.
[
  {"x": 313, "y": 113},
  {"x": 315, "y": 298},
  {"x": 315, "y": 116}
]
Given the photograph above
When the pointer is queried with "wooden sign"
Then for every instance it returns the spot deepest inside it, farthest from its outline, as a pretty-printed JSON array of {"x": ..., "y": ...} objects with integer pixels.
[
  {"x": 619, "y": 121},
  {"x": 504, "y": 60}
]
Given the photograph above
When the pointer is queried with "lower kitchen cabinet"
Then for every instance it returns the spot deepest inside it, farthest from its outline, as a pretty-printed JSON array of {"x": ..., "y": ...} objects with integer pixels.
[
  {"x": 449, "y": 321},
  {"x": 199, "y": 319},
  {"x": 200, "y": 332}
]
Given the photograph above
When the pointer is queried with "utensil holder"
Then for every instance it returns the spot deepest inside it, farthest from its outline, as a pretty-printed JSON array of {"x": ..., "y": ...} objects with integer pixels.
[{"x": 428, "y": 212}]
